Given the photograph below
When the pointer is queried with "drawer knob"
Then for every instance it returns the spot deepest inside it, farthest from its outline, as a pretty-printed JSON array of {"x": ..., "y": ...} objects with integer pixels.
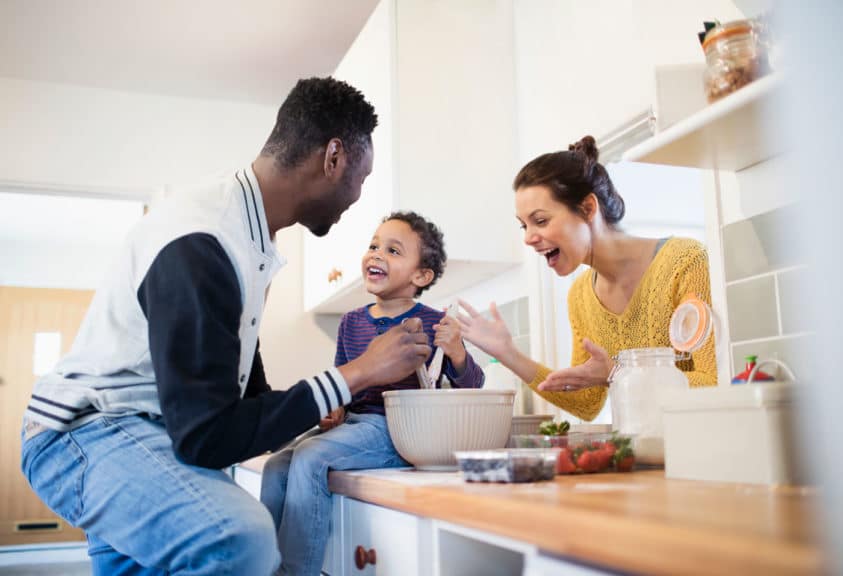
[{"x": 363, "y": 557}]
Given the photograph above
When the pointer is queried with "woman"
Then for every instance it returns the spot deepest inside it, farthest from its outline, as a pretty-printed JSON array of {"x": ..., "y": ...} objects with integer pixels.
[{"x": 569, "y": 211}]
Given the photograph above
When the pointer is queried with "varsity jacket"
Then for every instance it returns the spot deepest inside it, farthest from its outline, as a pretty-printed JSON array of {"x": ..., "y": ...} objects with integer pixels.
[{"x": 172, "y": 332}]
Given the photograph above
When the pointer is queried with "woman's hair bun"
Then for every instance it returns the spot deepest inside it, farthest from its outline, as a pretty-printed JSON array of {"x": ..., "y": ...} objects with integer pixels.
[{"x": 586, "y": 146}]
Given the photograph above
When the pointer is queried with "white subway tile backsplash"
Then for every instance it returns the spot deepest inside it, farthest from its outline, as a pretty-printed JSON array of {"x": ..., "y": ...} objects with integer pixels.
[
  {"x": 753, "y": 312},
  {"x": 792, "y": 301},
  {"x": 795, "y": 352},
  {"x": 759, "y": 244}
]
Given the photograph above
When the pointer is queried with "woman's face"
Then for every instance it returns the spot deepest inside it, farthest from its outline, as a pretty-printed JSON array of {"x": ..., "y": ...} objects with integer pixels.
[{"x": 561, "y": 236}]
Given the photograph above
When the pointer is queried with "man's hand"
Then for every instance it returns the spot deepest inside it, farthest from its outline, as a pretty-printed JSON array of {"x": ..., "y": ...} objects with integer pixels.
[
  {"x": 389, "y": 357},
  {"x": 593, "y": 372},
  {"x": 448, "y": 337},
  {"x": 333, "y": 419}
]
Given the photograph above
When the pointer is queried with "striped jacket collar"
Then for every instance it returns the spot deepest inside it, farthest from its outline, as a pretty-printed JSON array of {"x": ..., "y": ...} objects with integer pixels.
[{"x": 253, "y": 210}]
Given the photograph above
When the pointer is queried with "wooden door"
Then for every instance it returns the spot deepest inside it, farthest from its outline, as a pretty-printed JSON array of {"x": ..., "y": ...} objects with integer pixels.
[{"x": 24, "y": 312}]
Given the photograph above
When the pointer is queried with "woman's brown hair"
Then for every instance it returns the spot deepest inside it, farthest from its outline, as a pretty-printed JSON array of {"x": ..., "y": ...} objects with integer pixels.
[{"x": 573, "y": 174}]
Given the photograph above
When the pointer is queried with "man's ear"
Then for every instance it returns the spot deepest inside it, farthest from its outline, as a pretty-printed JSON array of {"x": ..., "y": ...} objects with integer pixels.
[
  {"x": 422, "y": 277},
  {"x": 335, "y": 159}
]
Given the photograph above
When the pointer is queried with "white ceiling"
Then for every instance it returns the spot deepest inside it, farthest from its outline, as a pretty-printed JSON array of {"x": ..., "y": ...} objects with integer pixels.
[{"x": 240, "y": 50}]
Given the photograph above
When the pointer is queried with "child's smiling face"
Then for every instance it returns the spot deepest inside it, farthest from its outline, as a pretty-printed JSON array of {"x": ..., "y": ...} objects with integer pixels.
[{"x": 391, "y": 264}]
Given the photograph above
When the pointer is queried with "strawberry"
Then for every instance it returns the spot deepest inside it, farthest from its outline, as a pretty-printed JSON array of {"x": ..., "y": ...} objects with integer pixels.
[
  {"x": 624, "y": 459},
  {"x": 564, "y": 464},
  {"x": 625, "y": 464},
  {"x": 584, "y": 461},
  {"x": 602, "y": 458}
]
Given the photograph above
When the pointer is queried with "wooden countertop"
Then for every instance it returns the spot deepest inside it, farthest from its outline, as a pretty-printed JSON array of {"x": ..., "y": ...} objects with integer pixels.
[{"x": 637, "y": 522}]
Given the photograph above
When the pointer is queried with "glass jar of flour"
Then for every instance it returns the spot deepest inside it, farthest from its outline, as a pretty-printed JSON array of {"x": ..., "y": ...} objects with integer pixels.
[{"x": 640, "y": 382}]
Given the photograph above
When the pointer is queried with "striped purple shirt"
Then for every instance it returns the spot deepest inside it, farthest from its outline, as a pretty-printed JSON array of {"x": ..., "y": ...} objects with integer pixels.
[{"x": 358, "y": 328}]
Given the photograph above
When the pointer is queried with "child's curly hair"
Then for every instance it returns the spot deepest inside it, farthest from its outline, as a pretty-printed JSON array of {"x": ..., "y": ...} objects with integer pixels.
[{"x": 432, "y": 254}]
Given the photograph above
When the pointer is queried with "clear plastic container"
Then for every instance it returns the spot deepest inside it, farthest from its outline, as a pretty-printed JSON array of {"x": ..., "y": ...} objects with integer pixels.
[
  {"x": 734, "y": 58},
  {"x": 537, "y": 441},
  {"x": 642, "y": 380},
  {"x": 590, "y": 453},
  {"x": 508, "y": 465}
]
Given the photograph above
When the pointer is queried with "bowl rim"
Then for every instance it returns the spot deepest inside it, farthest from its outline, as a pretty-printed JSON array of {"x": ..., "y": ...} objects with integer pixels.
[{"x": 451, "y": 391}]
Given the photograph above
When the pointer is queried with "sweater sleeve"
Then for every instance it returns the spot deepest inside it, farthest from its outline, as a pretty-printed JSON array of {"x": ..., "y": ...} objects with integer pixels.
[
  {"x": 472, "y": 376},
  {"x": 192, "y": 301},
  {"x": 585, "y": 403},
  {"x": 693, "y": 278}
]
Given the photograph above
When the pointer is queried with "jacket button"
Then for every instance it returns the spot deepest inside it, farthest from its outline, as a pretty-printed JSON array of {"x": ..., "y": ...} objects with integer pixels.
[
  {"x": 242, "y": 377},
  {"x": 261, "y": 267},
  {"x": 254, "y": 321}
]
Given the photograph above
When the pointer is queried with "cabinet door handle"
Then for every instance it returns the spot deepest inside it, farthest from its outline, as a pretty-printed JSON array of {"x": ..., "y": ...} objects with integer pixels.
[
  {"x": 335, "y": 275},
  {"x": 363, "y": 557}
]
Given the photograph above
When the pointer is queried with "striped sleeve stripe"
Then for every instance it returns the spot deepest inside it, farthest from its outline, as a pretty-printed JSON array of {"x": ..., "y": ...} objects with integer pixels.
[
  {"x": 319, "y": 396},
  {"x": 329, "y": 391},
  {"x": 340, "y": 386},
  {"x": 331, "y": 397}
]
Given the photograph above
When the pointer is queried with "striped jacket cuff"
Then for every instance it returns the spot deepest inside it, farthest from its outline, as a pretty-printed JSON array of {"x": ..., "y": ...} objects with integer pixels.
[{"x": 330, "y": 391}]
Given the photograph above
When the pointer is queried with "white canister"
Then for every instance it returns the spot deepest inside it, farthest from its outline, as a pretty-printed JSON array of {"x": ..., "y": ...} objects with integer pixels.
[{"x": 642, "y": 380}]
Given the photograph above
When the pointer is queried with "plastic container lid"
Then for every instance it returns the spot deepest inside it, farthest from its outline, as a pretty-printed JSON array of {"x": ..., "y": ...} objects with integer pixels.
[
  {"x": 767, "y": 395},
  {"x": 726, "y": 30},
  {"x": 691, "y": 324}
]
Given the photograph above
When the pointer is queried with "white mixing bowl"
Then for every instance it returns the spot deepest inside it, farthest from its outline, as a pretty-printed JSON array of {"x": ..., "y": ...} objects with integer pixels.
[{"x": 428, "y": 426}]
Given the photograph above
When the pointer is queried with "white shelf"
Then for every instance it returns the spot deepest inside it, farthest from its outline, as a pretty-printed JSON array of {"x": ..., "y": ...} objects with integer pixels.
[
  {"x": 731, "y": 134},
  {"x": 459, "y": 275}
]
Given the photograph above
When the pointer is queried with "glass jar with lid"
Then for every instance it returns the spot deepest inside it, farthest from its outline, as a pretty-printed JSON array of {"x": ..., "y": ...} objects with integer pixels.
[
  {"x": 639, "y": 384},
  {"x": 734, "y": 58}
]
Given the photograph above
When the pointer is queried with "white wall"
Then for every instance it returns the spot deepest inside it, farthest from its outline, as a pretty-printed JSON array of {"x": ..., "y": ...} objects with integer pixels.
[
  {"x": 81, "y": 136},
  {"x": 586, "y": 67}
]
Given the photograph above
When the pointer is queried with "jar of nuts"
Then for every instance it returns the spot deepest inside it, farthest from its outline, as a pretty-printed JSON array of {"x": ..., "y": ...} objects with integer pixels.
[{"x": 734, "y": 58}]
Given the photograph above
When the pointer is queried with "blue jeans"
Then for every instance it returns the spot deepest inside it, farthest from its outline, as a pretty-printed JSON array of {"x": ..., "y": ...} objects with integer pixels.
[
  {"x": 295, "y": 485},
  {"x": 144, "y": 511}
]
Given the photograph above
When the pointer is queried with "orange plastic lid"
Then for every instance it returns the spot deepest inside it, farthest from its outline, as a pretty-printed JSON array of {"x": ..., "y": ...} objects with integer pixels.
[
  {"x": 690, "y": 324},
  {"x": 726, "y": 30}
]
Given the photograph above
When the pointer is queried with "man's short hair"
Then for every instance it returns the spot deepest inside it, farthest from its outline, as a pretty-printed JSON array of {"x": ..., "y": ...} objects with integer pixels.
[{"x": 315, "y": 111}]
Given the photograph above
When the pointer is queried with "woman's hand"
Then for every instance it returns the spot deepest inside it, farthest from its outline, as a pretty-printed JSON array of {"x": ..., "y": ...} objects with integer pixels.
[
  {"x": 448, "y": 336},
  {"x": 491, "y": 336},
  {"x": 593, "y": 372},
  {"x": 332, "y": 420}
]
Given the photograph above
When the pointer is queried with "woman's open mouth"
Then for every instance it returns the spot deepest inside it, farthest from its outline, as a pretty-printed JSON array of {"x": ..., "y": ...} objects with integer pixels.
[{"x": 551, "y": 255}]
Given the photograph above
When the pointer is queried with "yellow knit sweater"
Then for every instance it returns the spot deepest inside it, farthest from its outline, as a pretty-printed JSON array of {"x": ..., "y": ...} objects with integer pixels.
[{"x": 679, "y": 268}]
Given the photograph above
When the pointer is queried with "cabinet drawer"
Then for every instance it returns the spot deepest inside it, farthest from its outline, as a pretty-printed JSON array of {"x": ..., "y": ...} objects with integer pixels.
[{"x": 392, "y": 539}]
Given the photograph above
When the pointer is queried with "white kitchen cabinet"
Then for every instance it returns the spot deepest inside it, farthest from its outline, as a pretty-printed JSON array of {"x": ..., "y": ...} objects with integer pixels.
[
  {"x": 409, "y": 545},
  {"x": 371, "y": 540},
  {"x": 441, "y": 77}
]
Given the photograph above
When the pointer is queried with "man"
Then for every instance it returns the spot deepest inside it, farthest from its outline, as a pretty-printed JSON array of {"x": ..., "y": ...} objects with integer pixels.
[{"x": 164, "y": 385}]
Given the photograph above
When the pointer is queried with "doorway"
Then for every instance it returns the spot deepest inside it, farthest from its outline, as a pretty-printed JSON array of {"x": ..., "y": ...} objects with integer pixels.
[{"x": 53, "y": 251}]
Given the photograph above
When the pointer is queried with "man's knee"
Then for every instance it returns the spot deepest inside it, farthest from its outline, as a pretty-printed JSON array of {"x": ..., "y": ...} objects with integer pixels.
[
  {"x": 245, "y": 545},
  {"x": 255, "y": 541}
]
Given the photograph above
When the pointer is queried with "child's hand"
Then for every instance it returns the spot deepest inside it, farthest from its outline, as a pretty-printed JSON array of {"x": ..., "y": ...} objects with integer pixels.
[
  {"x": 333, "y": 419},
  {"x": 448, "y": 336}
]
